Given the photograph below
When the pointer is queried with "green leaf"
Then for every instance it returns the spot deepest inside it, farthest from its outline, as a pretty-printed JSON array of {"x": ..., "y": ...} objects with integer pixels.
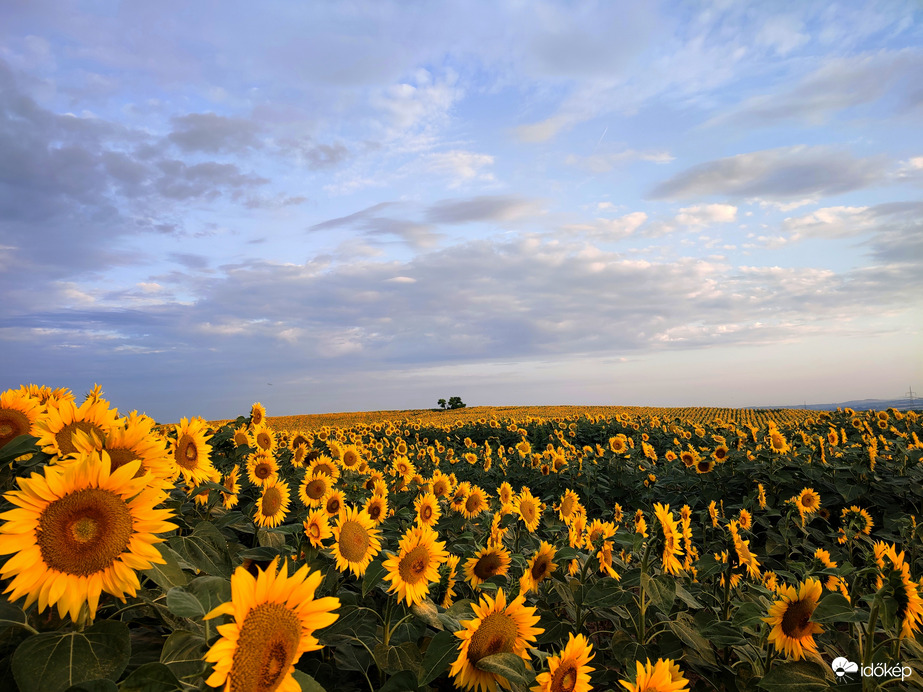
[
  {"x": 795, "y": 676},
  {"x": 270, "y": 539},
  {"x": 11, "y": 615},
  {"x": 605, "y": 593},
  {"x": 373, "y": 574},
  {"x": 53, "y": 661},
  {"x": 206, "y": 549},
  {"x": 170, "y": 574},
  {"x": 509, "y": 666},
  {"x": 442, "y": 651},
  {"x": 307, "y": 683},
  {"x": 182, "y": 603},
  {"x": 661, "y": 590},
  {"x": 834, "y": 607},
  {"x": 723, "y": 634},
  {"x": 151, "y": 677},
  {"x": 18, "y": 446},
  {"x": 686, "y": 597},
  {"x": 750, "y": 615},
  {"x": 101, "y": 685},
  {"x": 428, "y": 613},
  {"x": 402, "y": 682},
  {"x": 182, "y": 654},
  {"x": 683, "y": 628},
  {"x": 200, "y": 597}
]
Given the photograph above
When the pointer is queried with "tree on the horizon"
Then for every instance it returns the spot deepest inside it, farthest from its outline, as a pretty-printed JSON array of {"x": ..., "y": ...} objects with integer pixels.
[
  {"x": 441, "y": 403},
  {"x": 453, "y": 402}
]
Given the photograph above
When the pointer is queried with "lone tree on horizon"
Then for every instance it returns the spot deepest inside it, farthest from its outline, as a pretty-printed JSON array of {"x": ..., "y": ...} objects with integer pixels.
[{"x": 453, "y": 402}]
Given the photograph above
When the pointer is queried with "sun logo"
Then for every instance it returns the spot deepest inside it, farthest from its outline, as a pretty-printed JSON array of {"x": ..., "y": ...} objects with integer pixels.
[{"x": 842, "y": 667}]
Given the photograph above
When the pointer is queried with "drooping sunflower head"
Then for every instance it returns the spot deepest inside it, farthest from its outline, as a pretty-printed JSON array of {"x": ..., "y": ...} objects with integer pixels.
[
  {"x": 496, "y": 628},
  {"x": 790, "y": 617},
  {"x": 80, "y": 529},
  {"x": 275, "y": 618},
  {"x": 492, "y": 561},
  {"x": 356, "y": 541}
]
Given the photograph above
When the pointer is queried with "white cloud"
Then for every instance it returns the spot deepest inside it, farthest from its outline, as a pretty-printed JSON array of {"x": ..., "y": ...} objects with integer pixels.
[
  {"x": 459, "y": 166},
  {"x": 706, "y": 214},
  {"x": 603, "y": 163}
]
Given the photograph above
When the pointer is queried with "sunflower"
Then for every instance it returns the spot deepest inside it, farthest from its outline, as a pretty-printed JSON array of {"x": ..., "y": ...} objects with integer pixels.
[
  {"x": 441, "y": 485},
  {"x": 777, "y": 441},
  {"x": 761, "y": 495},
  {"x": 492, "y": 561},
  {"x": 569, "y": 502},
  {"x": 618, "y": 444},
  {"x": 299, "y": 455},
  {"x": 597, "y": 531},
  {"x": 403, "y": 467},
  {"x": 475, "y": 503},
  {"x": 529, "y": 509},
  {"x": 745, "y": 519},
  {"x": 191, "y": 451},
  {"x": 895, "y": 577},
  {"x": 713, "y": 513},
  {"x": 351, "y": 457},
  {"x": 459, "y": 495},
  {"x": 333, "y": 503},
  {"x": 427, "y": 508},
  {"x": 808, "y": 501},
  {"x": 497, "y": 628},
  {"x": 856, "y": 522},
  {"x": 18, "y": 413},
  {"x": 662, "y": 676},
  {"x": 272, "y": 507},
  {"x": 257, "y": 414},
  {"x": 540, "y": 567},
  {"x": 640, "y": 524},
  {"x": 262, "y": 468},
  {"x": 604, "y": 555},
  {"x": 569, "y": 671},
  {"x": 232, "y": 483},
  {"x": 744, "y": 556},
  {"x": 265, "y": 439},
  {"x": 242, "y": 437},
  {"x": 689, "y": 458},
  {"x": 377, "y": 508},
  {"x": 704, "y": 465},
  {"x": 356, "y": 541},
  {"x": 451, "y": 564},
  {"x": 81, "y": 529},
  {"x": 790, "y": 617},
  {"x": 56, "y": 425},
  {"x": 312, "y": 489},
  {"x": 317, "y": 527},
  {"x": 274, "y": 620},
  {"x": 671, "y": 537},
  {"x": 322, "y": 464},
  {"x": 416, "y": 564}
]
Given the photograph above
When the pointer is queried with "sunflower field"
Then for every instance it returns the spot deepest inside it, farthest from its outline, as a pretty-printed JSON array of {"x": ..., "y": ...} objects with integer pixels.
[{"x": 565, "y": 549}]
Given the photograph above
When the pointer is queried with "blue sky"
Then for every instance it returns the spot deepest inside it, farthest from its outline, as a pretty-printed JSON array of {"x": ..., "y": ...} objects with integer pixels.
[{"x": 372, "y": 205}]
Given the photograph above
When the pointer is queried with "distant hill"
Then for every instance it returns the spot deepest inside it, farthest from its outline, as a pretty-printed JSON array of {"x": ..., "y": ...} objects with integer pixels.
[{"x": 866, "y": 405}]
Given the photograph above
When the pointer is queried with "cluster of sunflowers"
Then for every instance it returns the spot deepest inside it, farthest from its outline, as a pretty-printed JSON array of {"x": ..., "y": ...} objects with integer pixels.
[{"x": 480, "y": 553}]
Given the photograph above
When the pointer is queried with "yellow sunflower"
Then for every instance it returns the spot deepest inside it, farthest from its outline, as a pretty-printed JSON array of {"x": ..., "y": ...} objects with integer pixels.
[
  {"x": 451, "y": 564},
  {"x": 540, "y": 567},
  {"x": 808, "y": 501},
  {"x": 242, "y": 437},
  {"x": 505, "y": 493},
  {"x": 257, "y": 414},
  {"x": 351, "y": 457},
  {"x": 317, "y": 527},
  {"x": 416, "y": 564},
  {"x": 299, "y": 455},
  {"x": 323, "y": 464},
  {"x": 569, "y": 503},
  {"x": 262, "y": 468},
  {"x": 427, "y": 509},
  {"x": 232, "y": 483},
  {"x": 191, "y": 451},
  {"x": 18, "y": 414},
  {"x": 569, "y": 671},
  {"x": 777, "y": 442},
  {"x": 745, "y": 519},
  {"x": 704, "y": 465},
  {"x": 129, "y": 439},
  {"x": 272, "y": 506},
  {"x": 356, "y": 541},
  {"x": 895, "y": 576},
  {"x": 441, "y": 485},
  {"x": 662, "y": 676},
  {"x": 790, "y": 617},
  {"x": 492, "y": 561},
  {"x": 618, "y": 444},
  {"x": 377, "y": 508},
  {"x": 312, "y": 489},
  {"x": 475, "y": 503},
  {"x": 334, "y": 503},
  {"x": 497, "y": 628},
  {"x": 79, "y": 530},
  {"x": 529, "y": 509},
  {"x": 275, "y": 618},
  {"x": 264, "y": 439},
  {"x": 56, "y": 425},
  {"x": 671, "y": 539}
]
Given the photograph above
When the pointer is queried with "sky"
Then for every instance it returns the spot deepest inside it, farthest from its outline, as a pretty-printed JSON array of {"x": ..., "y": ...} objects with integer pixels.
[{"x": 342, "y": 206}]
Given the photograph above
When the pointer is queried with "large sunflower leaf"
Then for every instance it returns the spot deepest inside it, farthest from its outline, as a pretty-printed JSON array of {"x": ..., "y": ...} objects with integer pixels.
[
  {"x": 151, "y": 677},
  {"x": 441, "y": 652},
  {"x": 795, "y": 676},
  {"x": 55, "y": 661},
  {"x": 206, "y": 549}
]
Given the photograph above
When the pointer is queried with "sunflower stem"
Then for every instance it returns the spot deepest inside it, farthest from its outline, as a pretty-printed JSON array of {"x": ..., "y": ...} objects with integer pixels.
[
  {"x": 870, "y": 633},
  {"x": 642, "y": 601}
]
